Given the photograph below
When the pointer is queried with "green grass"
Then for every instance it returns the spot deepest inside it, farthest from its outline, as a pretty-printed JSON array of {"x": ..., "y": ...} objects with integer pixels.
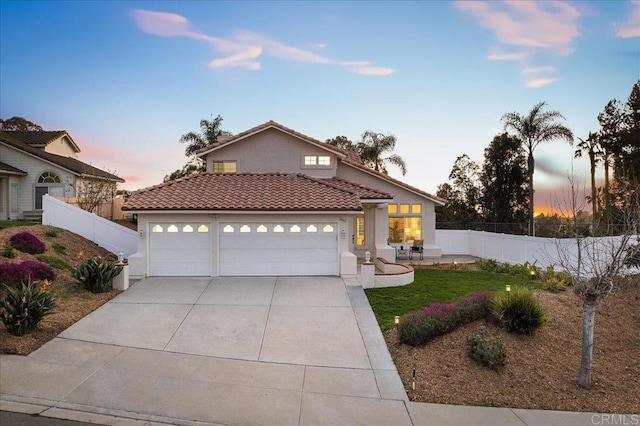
[
  {"x": 430, "y": 286},
  {"x": 59, "y": 248},
  {"x": 12, "y": 223},
  {"x": 55, "y": 262}
]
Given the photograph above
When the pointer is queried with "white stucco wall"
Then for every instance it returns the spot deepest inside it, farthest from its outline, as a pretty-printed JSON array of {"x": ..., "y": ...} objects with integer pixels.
[{"x": 273, "y": 151}]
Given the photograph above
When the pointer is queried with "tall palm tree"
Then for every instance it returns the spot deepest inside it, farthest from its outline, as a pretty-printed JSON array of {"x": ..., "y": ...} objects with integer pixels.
[
  {"x": 591, "y": 146},
  {"x": 209, "y": 133},
  {"x": 536, "y": 127},
  {"x": 372, "y": 148}
]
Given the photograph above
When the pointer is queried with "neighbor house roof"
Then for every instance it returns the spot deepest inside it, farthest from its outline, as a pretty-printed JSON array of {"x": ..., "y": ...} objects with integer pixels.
[
  {"x": 41, "y": 138},
  {"x": 10, "y": 170},
  {"x": 244, "y": 192},
  {"x": 362, "y": 191},
  {"x": 262, "y": 127},
  {"x": 76, "y": 167}
]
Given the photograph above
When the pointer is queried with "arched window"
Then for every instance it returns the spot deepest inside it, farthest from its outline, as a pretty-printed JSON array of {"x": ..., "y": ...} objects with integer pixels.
[{"x": 49, "y": 177}]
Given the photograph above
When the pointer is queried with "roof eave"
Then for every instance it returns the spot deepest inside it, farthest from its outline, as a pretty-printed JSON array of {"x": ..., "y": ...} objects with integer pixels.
[
  {"x": 436, "y": 200},
  {"x": 238, "y": 212}
]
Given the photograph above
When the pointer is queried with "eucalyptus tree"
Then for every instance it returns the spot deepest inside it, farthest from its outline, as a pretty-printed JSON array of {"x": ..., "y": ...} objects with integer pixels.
[
  {"x": 373, "y": 148},
  {"x": 534, "y": 128}
]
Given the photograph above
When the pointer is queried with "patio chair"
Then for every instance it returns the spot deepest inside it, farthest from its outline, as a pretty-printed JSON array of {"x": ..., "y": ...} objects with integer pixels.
[{"x": 417, "y": 247}]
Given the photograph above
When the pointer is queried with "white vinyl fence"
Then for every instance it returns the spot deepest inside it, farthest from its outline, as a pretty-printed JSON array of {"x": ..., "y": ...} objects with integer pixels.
[
  {"x": 517, "y": 248},
  {"x": 103, "y": 232}
]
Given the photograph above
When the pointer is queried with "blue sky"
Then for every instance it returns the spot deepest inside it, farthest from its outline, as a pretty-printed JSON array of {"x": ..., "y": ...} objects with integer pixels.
[{"x": 127, "y": 79}]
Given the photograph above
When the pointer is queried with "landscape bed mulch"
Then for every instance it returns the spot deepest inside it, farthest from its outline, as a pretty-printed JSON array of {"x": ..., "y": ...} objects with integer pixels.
[
  {"x": 73, "y": 301},
  {"x": 541, "y": 371}
]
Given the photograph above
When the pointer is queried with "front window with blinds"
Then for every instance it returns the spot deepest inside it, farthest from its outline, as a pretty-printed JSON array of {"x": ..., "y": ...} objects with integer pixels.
[{"x": 224, "y": 167}]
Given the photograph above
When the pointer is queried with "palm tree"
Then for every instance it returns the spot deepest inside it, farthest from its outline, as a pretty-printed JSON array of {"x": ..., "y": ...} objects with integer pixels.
[
  {"x": 533, "y": 129},
  {"x": 209, "y": 133},
  {"x": 372, "y": 148},
  {"x": 591, "y": 146}
]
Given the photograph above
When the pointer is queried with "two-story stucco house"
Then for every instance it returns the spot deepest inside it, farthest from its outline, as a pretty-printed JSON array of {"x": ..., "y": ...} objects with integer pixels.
[
  {"x": 35, "y": 163},
  {"x": 276, "y": 202}
]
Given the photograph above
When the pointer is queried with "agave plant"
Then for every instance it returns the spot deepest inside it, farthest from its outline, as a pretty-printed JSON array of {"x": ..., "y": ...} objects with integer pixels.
[
  {"x": 96, "y": 274},
  {"x": 23, "y": 308}
]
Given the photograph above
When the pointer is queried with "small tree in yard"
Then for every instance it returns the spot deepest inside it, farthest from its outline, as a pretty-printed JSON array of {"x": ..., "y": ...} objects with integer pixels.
[
  {"x": 91, "y": 193},
  {"x": 599, "y": 265}
]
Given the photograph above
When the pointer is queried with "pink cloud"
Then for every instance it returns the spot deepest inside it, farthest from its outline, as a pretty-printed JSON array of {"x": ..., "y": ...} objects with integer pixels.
[
  {"x": 535, "y": 27},
  {"x": 631, "y": 27},
  {"x": 244, "y": 48}
]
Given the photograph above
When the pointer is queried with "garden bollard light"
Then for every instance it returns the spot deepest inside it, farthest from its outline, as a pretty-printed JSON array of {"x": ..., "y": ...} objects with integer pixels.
[
  {"x": 413, "y": 379},
  {"x": 508, "y": 288},
  {"x": 396, "y": 319}
]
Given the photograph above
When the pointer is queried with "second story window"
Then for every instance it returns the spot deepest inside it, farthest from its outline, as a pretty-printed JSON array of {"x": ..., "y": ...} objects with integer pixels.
[
  {"x": 224, "y": 167},
  {"x": 317, "y": 160}
]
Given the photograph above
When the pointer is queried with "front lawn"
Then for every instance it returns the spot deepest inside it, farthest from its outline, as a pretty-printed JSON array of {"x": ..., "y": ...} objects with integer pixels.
[
  {"x": 430, "y": 286},
  {"x": 13, "y": 223}
]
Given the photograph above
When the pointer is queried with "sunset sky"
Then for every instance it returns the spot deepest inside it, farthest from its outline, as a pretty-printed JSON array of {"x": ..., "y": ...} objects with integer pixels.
[{"x": 127, "y": 79}]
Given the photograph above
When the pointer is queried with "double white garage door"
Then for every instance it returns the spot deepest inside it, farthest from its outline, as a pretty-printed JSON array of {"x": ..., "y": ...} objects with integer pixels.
[{"x": 244, "y": 249}]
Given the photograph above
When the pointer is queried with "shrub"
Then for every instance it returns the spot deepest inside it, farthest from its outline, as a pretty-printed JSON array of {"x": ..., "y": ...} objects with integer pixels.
[
  {"x": 475, "y": 306},
  {"x": 23, "y": 308},
  {"x": 55, "y": 262},
  {"x": 58, "y": 248},
  {"x": 40, "y": 270},
  {"x": 14, "y": 274},
  {"x": 555, "y": 281},
  {"x": 95, "y": 274},
  {"x": 51, "y": 232},
  {"x": 519, "y": 311},
  {"x": 417, "y": 328},
  {"x": 487, "y": 350},
  {"x": 7, "y": 251},
  {"x": 27, "y": 242}
]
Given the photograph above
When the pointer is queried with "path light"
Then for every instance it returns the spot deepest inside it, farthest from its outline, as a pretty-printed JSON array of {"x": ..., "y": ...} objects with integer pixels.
[
  {"x": 367, "y": 256},
  {"x": 413, "y": 379},
  {"x": 396, "y": 319},
  {"x": 455, "y": 264},
  {"x": 532, "y": 273},
  {"x": 508, "y": 288},
  {"x": 120, "y": 257}
]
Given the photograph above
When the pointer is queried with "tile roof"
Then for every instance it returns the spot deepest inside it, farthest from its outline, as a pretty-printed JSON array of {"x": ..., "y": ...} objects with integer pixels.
[
  {"x": 40, "y": 138},
  {"x": 362, "y": 191},
  {"x": 360, "y": 166},
  {"x": 75, "y": 166},
  {"x": 4, "y": 167},
  {"x": 352, "y": 155},
  {"x": 265, "y": 126},
  {"x": 245, "y": 192}
]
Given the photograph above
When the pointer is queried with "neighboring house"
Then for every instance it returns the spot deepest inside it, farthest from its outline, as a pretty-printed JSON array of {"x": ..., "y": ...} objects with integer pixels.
[
  {"x": 276, "y": 202},
  {"x": 35, "y": 163}
]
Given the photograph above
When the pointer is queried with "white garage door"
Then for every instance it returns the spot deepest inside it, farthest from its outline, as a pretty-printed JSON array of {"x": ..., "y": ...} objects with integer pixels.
[
  {"x": 293, "y": 248},
  {"x": 179, "y": 249}
]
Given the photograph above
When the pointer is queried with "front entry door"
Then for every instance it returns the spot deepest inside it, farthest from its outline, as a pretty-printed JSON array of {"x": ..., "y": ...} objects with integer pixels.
[{"x": 40, "y": 191}]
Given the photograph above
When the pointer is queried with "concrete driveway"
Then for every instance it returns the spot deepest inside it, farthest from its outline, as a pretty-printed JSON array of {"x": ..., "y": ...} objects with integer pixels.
[{"x": 267, "y": 350}]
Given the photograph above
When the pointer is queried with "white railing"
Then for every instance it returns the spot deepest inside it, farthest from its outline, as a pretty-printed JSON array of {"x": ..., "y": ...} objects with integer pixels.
[
  {"x": 103, "y": 232},
  {"x": 512, "y": 248}
]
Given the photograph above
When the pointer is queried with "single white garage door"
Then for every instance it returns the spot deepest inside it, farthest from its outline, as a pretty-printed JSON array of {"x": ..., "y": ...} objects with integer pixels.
[
  {"x": 179, "y": 249},
  {"x": 293, "y": 248}
]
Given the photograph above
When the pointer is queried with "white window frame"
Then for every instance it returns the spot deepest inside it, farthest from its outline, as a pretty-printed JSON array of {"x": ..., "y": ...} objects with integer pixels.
[{"x": 316, "y": 161}]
